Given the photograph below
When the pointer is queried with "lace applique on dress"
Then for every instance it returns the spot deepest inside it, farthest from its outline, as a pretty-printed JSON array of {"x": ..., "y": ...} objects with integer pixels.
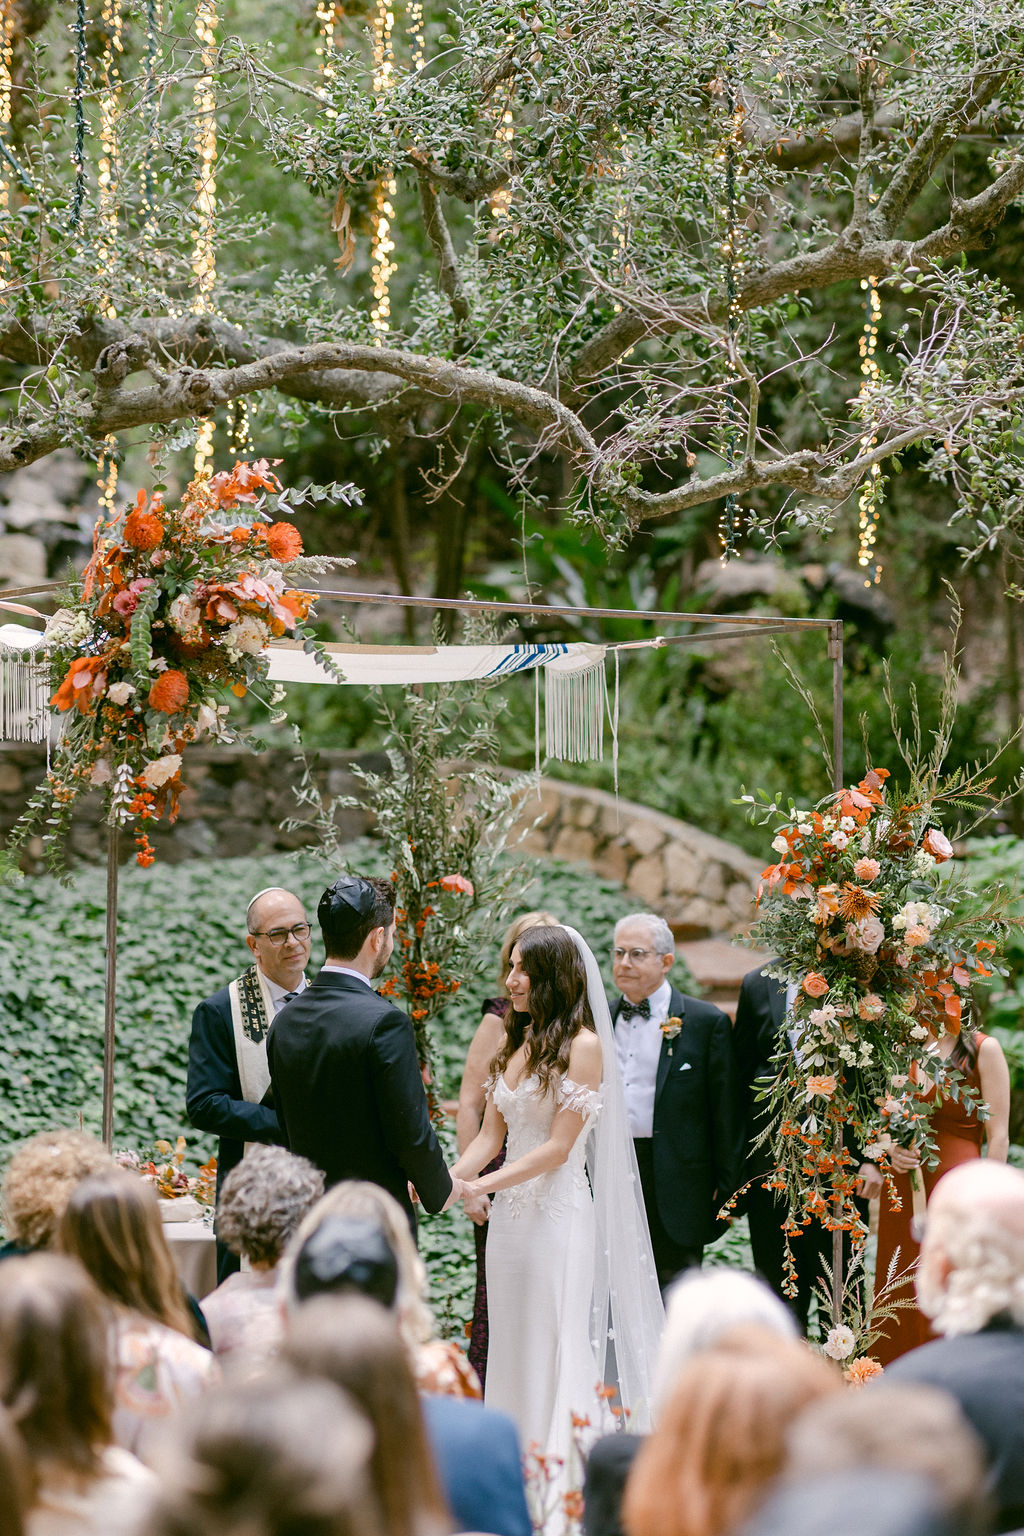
[
  {"x": 528, "y": 1113},
  {"x": 585, "y": 1101}
]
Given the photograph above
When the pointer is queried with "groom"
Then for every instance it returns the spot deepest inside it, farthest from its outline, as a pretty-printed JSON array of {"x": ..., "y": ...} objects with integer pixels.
[
  {"x": 343, "y": 1068},
  {"x": 679, "y": 1082}
]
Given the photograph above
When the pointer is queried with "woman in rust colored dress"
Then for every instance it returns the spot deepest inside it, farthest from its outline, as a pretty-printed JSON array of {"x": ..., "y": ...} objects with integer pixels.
[
  {"x": 960, "y": 1136},
  {"x": 486, "y": 1043}
]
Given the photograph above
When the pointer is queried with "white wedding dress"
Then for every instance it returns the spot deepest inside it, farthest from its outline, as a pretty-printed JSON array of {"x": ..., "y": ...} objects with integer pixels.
[
  {"x": 572, "y": 1294},
  {"x": 542, "y": 1365}
]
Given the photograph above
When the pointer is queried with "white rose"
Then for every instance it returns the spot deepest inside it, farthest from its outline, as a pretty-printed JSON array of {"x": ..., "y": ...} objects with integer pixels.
[
  {"x": 161, "y": 769},
  {"x": 249, "y": 634},
  {"x": 840, "y": 1343},
  {"x": 779, "y": 843},
  {"x": 805, "y": 829},
  {"x": 120, "y": 693}
]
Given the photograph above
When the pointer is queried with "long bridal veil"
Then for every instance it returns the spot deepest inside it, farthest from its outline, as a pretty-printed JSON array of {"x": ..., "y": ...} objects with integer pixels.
[{"x": 627, "y": 1313}]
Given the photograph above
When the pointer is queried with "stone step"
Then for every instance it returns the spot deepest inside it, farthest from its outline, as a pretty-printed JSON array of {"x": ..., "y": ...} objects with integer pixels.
[{"x": 719, "y": 967}]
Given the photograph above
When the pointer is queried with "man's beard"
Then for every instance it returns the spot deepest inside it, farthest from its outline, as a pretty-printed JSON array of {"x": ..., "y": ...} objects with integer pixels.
[{"x": 379, "y": 965}]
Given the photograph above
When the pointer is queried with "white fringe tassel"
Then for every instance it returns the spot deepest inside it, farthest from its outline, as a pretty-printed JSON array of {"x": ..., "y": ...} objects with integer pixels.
[
  {"x": 575, "y": 699},
  {"x": 24, "y": 696}
]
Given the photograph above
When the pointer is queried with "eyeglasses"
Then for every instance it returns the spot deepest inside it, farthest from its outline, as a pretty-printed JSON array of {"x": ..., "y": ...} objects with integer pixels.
[
  {"x": 633, "y": 954},
  {"x": 279, "y": 936}
]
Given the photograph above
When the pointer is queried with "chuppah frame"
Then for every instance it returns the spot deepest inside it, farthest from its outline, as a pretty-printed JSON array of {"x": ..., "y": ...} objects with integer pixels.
[{"x": 728, "y": 626}]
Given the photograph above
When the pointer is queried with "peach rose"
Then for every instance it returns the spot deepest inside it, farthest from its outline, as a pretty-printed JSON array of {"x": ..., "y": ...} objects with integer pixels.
[
  {"x": 867, "y": 869},
  {"x": 938, "y": 845},
  {"x": 871, "y": 1006},
  {"x": 814, "y": 984},
  {"x": 867, "y": 934}
]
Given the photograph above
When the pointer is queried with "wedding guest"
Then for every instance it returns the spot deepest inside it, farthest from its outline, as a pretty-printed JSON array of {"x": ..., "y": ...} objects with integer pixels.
[
  {"x": 55, "y": 1382},
  {"x": 15, "y": 1480},
  {"x": 228, "y": 1076},
  {"x": 900, "y": 1429},
  {"x": 353, "y": 1342},
  {"x": 38, "y": 1181},
  {"x": 860, "y": 1503},
  {"x": 112, "y": 1226},
  {"x": 439, "y": 1364},
  {"x": 720, "y": 1440},
  {"x": 760, "y": 1032},
  {"x": 700, "y": 1307},
  {"x": 679, "y": 1080},
  {"x": 261, "y": 1204},
  {"x": 289, "y": 1460},
  {"x": 970, "y": 1282},
  {"x": 343, "y": 1247},
  {"x": 959, "y": 1136},
  {"x": 483, "y": 1048}
]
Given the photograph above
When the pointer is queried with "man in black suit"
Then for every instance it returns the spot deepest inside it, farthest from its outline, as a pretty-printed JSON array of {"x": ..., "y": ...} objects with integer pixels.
[
  {"x": 970, "y": 1282},
  {"x": 759, "y": 1033},
  {"x": 227, "y": 1050},
  {"x": 344, "y": 1073},
  {"x": 679, "y": 1081}
]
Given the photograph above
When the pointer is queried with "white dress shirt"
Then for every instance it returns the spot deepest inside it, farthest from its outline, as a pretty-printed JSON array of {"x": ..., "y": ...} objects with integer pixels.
[
  {"x": 638, "y": 1043},
  {"x": 346, "y": 970},
  {"x": 278, "y": 994}
]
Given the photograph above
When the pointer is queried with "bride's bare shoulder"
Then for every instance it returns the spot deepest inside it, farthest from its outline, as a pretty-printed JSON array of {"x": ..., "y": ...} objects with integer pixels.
[{"x": 585, "y": 1057}]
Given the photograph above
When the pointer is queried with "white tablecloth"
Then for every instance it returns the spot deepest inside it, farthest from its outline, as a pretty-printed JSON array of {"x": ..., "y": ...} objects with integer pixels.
[{"x": 194, "y": 1251}]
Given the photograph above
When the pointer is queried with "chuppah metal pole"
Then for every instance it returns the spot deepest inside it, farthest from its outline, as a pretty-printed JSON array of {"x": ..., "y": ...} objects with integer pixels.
[
  {"x": 835, "y": 651},
  {"x": 110, "y": 989}
]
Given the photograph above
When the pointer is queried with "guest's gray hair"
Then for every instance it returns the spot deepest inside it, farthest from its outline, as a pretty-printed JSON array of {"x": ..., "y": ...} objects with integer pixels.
[
  {"x": 263, "y": 1201},
  {"x": 987, "y": 1275},
  {"x": 662, "y": 936},
  {"x": 703, "y": 1305}
]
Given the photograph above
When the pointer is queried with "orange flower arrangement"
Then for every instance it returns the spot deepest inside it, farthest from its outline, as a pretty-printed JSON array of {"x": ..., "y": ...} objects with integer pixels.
[
  {"x": 859, "y": 1372},
  {"x": 174, "y": 610}
]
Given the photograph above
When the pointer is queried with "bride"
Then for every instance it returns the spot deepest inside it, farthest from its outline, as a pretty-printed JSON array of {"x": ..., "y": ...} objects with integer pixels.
[{"x": 573, "y": 1299}]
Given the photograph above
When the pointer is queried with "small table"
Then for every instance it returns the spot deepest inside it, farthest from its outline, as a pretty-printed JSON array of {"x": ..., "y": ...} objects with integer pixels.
[{"x": 194, "y": 1251}]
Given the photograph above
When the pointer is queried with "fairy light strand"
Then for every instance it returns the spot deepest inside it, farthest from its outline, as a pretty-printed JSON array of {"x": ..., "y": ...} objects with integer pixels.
[
  {"x": 415, "y": 33},
  {"x": 732, "y": 255},
  {"x": 382, "y": 266},
  {"x": 107, "y": 182},
  {"x": 204, "y": 258},
  {"x": 869, "y": 502},
  {"x": 78, "y": 97},
  {"x": 6, "y": 87},
  {"x": 326, "y": 48}
]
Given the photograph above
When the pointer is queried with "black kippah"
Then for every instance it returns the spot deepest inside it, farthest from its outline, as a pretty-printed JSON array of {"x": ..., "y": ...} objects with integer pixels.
[
  {"x": 354, "y": 891},
  {"x": 347, "y": 1253}
]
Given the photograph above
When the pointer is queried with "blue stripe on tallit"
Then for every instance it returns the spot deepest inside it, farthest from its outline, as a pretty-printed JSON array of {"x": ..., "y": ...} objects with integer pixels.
[{"x": 522, "y": 658}]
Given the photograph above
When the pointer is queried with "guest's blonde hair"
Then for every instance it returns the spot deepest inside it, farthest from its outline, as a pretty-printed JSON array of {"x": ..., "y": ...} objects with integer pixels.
[
  {"x": 357, "y": 1197},
  {"x": 513, "y": 933},
  {"x": 39, "y": 1180}
]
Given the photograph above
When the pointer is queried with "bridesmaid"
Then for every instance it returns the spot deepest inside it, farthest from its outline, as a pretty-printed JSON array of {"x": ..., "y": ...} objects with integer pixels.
[
  {"x": 960, "y": 1135},
  {"x": 490, "y": 1033}
]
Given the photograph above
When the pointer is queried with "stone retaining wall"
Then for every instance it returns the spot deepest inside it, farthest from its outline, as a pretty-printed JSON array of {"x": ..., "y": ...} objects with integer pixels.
[{"x": 236, "y": 802}]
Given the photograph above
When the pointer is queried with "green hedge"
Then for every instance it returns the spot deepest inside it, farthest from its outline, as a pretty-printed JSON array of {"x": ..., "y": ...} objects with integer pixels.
[{"x": 178, "y": 941}]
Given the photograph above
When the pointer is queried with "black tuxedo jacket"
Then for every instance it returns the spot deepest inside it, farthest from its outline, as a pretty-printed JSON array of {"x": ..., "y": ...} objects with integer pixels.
[
  {"x": 697, "y": 1142},
  {"x": 348, "y": 1092},
  {"x": 213, "y": 1093}
]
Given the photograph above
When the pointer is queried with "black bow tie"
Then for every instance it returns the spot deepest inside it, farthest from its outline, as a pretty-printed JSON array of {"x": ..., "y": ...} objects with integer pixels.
[{"x": 628, "y": 1009}]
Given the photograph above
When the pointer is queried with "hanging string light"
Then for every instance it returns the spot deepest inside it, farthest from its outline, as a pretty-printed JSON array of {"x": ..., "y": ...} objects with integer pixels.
[
  {"x": 869, "y": 503},
  {"x": 327, "y": 17},
  {"x": 732, "y": 256},
  {"x": 415, "y": 33},
  {"x": 382, "y": 267},
  {"x": 204, "y": 258},
  {"x": 501, "y": 199},
  {"x": 107, "y": 180},
  {"x": 6, "y": 84},
  {"x": 150, "y": 104},
  {"x": 240, "y": 439}
]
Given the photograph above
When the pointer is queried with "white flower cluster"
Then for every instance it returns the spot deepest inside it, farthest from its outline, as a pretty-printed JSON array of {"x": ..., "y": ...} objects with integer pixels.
[
  {"x": 916, "y": 914},
  {"x": 247, "y": 636},
  {"x": 66, "y": 627}
]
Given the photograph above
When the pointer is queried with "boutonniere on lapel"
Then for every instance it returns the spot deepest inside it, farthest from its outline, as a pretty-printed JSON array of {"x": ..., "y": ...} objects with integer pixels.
[{"x": 670, "y": 1029}]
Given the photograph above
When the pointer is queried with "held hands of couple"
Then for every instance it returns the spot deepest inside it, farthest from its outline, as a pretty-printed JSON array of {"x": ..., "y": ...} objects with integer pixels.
[{"x": 476, "y": 1204}]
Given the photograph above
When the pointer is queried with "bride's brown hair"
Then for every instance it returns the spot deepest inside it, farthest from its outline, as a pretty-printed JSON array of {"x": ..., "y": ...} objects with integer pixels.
[{"x": 558, "y": 1005}]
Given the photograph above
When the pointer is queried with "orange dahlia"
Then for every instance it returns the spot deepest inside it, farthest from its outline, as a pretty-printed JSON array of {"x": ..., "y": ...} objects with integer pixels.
[
  {"x": 284, "y": 542},
  {"x": 169, "y": 693},
  {"x": 142, "y": 530}
]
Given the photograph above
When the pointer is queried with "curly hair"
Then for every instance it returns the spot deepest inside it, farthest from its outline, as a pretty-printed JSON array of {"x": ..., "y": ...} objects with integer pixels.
[
  {"x": 39, "y": 1179},
  {"x": 263, "y": 1200},
  {"x": 558, "y": 1005}
]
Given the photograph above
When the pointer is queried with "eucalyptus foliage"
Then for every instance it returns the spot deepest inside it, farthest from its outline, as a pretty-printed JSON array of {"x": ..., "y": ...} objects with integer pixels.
[{"x": 633, "y": 218}]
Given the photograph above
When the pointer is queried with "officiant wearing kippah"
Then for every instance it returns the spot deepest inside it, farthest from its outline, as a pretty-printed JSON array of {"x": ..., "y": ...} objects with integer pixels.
[
  {"x": 679, "y": 1080},
  {"x": 228, "y": 1076}
]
